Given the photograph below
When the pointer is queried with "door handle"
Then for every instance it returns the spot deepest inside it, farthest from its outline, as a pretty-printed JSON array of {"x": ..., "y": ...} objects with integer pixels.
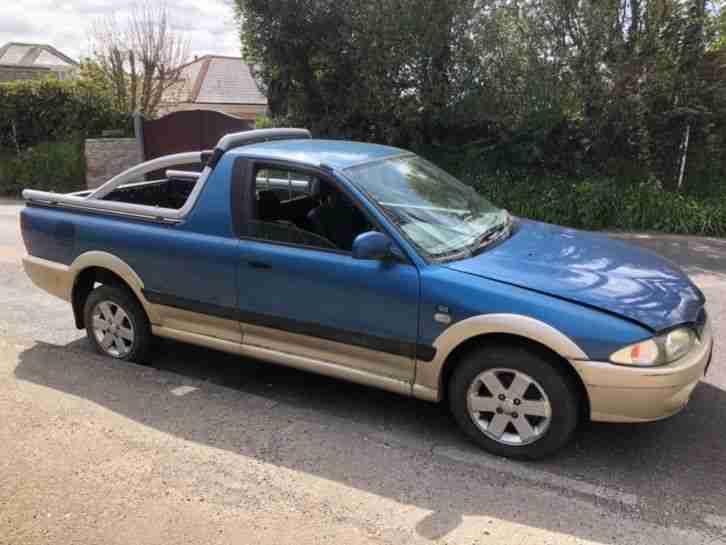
[{"x": 259, "y": 265}]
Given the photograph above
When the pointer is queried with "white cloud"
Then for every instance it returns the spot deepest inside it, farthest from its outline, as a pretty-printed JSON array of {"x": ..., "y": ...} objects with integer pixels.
[{"x": 209, "y": 24}]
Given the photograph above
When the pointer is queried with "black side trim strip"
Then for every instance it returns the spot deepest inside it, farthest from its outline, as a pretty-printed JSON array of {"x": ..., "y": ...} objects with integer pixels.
[
  {"x": 188, "y": 304},
  {"x": 424, "y": 352},
  {"x": 372, "y": 342}
]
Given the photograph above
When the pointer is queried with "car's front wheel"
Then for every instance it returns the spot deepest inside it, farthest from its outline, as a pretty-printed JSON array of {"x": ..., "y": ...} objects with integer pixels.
[
  {"x": 514, "y": 402},
  {"x": 116, "y": 324}
]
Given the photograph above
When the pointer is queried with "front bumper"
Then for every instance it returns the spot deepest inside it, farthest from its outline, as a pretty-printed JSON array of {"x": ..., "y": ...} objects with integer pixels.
[{"x": 642, "y": 394}]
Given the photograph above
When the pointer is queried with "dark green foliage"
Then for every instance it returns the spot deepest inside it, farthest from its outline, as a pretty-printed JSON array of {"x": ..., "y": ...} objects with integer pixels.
[
  {"x": 382, "y": 70},
  {"x": 587, "y": 201},
  {"x": 609, "y": 88},
  {"x": 51, "y": 166},
  {"x": 47, "y": 110},
  {"x": 604, "y": 204},
  {"x": 42, "y": 127}
]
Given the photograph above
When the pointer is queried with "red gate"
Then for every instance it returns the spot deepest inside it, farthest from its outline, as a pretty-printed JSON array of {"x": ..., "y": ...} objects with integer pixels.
[{"x": 189, "y": 130}]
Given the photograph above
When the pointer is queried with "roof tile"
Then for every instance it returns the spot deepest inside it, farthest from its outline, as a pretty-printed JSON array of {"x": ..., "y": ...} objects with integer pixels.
[
  {"x": 34, "y": 55},
  {"x": 221, "y": 80}
]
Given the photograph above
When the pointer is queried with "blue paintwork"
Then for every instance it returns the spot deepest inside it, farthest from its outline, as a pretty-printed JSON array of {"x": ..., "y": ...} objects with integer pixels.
[
  {"x": 169, "y": 259},
  {"x": 600, "y": 293},
  {"x": 212, "y": 213},
  {"x": 371, "y": 245},
  {"x": 195, "y": 259},
  {"x": 598, "y": 334},
  {"x": 330, "y": 289},
  {"x": 591, "y": 269},
  {"x": 46, "y": 234}
]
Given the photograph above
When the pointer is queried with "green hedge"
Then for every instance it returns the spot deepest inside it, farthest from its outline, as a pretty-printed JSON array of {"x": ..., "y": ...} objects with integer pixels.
[
  {"x": 604, "y": 204},
  {"x": 32, "y": 112},
  {"x": 42, "y": 126},
  {"x": 52, "y": 166}
]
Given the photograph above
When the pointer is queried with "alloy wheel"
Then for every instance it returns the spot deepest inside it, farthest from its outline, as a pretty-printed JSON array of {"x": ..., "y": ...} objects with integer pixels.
[
  {"x": 113, "y": 329},
  {"x": 509, "y": 406}
]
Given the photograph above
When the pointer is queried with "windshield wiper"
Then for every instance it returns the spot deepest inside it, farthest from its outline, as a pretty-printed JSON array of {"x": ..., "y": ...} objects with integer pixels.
[{"x": 491, "y": 235}]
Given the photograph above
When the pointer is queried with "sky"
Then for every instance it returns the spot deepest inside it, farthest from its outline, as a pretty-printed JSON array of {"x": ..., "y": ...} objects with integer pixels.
[{"x": 64, "y": 24}]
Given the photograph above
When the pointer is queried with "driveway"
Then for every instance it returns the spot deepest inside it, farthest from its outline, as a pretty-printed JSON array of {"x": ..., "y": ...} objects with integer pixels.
[{"x": 205, "y": 447}]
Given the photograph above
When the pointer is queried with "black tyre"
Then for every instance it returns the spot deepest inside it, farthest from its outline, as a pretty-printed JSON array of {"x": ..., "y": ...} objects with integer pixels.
[
  {"x": 514, "y": 402},
  {"x": 116, "y": 324}
]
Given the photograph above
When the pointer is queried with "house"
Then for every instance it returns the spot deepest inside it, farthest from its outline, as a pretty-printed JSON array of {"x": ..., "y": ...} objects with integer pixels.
[
  {"x": 20, "y": 61},
  {"x": 214, "y": 82}
]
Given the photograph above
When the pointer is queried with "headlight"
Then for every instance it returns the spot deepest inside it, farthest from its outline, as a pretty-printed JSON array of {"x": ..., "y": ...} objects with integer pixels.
[
  {"x": 658, "y": 350},
  {"x": 678, "y": 343},
  {"x": 642, "y": 353}
]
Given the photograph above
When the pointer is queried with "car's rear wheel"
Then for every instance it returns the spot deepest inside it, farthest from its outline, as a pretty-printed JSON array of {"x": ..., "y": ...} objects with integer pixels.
[
  {"x": 116, "y": 324},
  {"x": 514, "y": 402}
]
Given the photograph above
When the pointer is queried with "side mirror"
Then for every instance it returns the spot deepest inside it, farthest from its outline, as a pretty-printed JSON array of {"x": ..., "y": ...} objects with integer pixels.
[{"x": 371, "y": 245}]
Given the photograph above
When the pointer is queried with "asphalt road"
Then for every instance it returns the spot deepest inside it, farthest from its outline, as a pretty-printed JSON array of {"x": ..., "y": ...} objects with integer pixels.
[{"x": 203, "y": 447}]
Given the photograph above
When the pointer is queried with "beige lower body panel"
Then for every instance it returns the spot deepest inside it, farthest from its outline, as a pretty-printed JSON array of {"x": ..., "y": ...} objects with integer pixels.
[
  {"x": 291, "y": 360},
  {"x": 637, "y": 404},
  {"x": 377, "y": 363},
  {"x": 199, "y": 324},
  {"x": 373, "y": 362},
  {"x": 55, "y": 278}
]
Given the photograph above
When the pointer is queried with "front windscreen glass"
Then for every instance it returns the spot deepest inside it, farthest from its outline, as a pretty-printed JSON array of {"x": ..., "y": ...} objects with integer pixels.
[{"x": 438, "y": 214}]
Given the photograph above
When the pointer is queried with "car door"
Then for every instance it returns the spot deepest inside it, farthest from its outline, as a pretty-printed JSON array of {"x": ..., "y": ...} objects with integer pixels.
[{"x": 298, "y": 295}]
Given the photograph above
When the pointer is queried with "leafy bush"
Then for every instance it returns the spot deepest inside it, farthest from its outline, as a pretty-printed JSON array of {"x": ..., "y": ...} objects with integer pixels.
[
  {"x": 38, "y": 111},
  {"x": 42, "y": 126},
  {"x": 265, "y": 122},
  {"x": 603, "y": 203},
  {"x": 587, "y": 201},
  {"x": 51, "y": 166}
]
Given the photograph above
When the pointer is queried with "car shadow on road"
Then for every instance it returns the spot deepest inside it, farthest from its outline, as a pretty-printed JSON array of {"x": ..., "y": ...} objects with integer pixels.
[{"x": 384, "y": 444}]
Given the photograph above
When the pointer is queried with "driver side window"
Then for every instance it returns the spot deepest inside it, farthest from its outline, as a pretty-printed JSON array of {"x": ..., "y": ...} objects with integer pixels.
[{"x": 295, "y": 208}]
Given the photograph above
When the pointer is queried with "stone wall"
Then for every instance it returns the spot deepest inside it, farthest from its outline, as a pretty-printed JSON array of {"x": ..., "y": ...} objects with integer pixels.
[{"x": 106, "y": 157}]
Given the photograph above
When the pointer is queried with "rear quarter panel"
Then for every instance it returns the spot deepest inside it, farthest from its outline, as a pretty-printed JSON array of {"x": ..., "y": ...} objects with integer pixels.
[
  {"x": 49, "y": 233},
  {"x": 196, "y": 257}
]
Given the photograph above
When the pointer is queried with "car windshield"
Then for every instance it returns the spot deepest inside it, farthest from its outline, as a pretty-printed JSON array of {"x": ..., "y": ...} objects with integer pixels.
[{"x": 441, "y": 216}]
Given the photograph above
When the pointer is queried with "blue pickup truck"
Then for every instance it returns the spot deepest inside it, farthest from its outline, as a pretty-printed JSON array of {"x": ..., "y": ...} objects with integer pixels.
[{"x": 370, "y": 264}]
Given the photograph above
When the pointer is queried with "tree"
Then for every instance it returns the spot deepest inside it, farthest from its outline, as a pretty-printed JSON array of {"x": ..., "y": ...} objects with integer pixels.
[
  {"x": 630, "y": 88},
  {"x": 140, "y": 56},
  {"x": 382, "y": 69},
  {"x": 92, "y": 73}
]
